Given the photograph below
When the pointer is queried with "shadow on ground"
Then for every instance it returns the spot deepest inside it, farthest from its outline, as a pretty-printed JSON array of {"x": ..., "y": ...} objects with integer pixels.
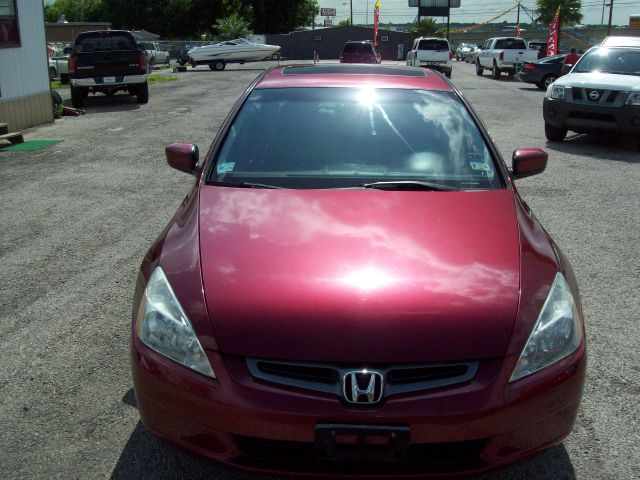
[
  {"x": 145, "y": 456},
  {"x": 104, "y": 103},
  {"x": 603, "y": 147}
]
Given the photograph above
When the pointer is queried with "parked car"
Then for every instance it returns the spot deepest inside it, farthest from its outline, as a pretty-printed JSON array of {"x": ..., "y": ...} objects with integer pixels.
[
  {"x": 504, "y": 54},
  {"x": 543, "y": 72},
  {"x": 155, "y": 54},
  {"x": 462, "y": 50},
  {"x": 431, "y": 52},
  {"x": 59, "y": 68},
  {"x": 385, "y": 295},
  {"x": 359, "y": 52},
  {"x": 472, "y": 55},
  {"x": 601, "y": 94},
  {"x": 620, "y": 41},
  {"x": 107, "y": 61}
]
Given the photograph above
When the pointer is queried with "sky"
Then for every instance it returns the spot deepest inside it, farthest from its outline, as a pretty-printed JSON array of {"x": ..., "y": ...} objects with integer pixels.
[{"x": 478, "y": 11}]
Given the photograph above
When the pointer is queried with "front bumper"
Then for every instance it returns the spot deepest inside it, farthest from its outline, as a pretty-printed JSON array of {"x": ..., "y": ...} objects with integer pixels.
[
  {"x": 117, "y": 81},
  {"x": 583, "y": 118},
  {"x": 259, "y": 426}
]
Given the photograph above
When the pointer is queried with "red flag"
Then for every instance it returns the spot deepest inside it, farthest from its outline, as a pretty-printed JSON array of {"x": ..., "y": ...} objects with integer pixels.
[
  {"x": 376, "y": 20},
  {"x": 554, "y": 29},
  {"x": 518, "y": 30}
]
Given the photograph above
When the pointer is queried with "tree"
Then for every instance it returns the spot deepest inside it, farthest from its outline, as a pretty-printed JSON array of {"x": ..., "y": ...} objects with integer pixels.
[
  {"x": 569, "y": 11},
  {"x": 344, "y": 23},
  {"x": 232, "y": 26},
  {"x": 74, "y": 10},
  {"x": 427, "y": 27},
  {"x": 282, "y": 16}
]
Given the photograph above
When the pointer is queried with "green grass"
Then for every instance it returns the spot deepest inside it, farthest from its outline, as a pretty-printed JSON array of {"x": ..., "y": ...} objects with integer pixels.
[
  {"x": 161, "y": 79},
  {"x": 153, "y": 78}
]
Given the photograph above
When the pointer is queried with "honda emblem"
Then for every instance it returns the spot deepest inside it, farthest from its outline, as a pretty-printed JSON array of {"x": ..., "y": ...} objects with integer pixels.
[{"x": 362, "y": 386}]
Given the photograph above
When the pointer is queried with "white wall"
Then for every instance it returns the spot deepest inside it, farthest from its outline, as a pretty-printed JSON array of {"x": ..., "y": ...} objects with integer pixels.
[{"x": 24, "y": 70}]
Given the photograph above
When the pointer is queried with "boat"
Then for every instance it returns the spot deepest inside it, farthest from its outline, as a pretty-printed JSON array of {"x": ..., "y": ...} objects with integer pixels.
[{"x": 217, "y": 55}]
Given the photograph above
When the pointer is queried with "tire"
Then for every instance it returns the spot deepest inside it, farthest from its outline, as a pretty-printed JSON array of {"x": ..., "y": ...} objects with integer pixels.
[
  {"x": 64, "y": 78},
  {"x": 52, "y": 73},
  {"x": 495, "y": 72},
  {"x": 554, "y": 134},
  {"x": 219, "y": 65},
  {"x": 479, "y": 69},
  {"x": 548, "y": 80},
  {"x": 142, "y": 93},
  {"x": 77, "y": 97}
]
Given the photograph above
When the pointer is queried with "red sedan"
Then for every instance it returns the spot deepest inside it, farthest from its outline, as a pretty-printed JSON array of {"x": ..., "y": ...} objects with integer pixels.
[{"x": 354, "y": 286}]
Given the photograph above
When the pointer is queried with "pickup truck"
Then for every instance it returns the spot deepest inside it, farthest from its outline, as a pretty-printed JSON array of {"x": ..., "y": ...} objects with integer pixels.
[
  {"x": 155, "y": 55},
  {"x": 504, "y": 54},
  {"x": 107, "y": 61},
  {"x": 430, "y": 52},
  {"x": 59, "y": 68}
]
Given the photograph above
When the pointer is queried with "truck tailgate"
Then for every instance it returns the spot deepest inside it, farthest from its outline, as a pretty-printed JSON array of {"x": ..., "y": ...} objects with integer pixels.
[{"x": 108, "y": 63}]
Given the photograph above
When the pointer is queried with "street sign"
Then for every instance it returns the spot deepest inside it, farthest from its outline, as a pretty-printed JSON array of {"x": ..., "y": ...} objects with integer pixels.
[
  {"x": 328, "y": 22},
  {"x": 435, "y": 3},
  {"x": 331, "y": 12}
]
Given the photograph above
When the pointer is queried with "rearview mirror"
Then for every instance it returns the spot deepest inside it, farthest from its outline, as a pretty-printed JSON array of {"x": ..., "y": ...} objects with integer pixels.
[
  {"x": 183, "y": 157},
  {"x": 528, "y": 161}
]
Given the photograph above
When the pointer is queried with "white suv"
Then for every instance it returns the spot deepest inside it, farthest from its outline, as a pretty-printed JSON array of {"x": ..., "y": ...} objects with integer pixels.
[{"x": 432, "y": 53}]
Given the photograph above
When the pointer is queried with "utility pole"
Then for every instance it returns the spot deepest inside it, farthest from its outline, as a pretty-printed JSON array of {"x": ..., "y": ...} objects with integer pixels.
[
  {"x": 351, "y": 11},
  {"x": 448, "y": 16},
  {"x": 610, "y": 15},
  {"x": 602, "y": 19},
  {"x": 518, "y": 18}
]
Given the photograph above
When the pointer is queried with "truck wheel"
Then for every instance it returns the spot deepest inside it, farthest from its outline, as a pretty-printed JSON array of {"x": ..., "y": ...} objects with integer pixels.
[
  {"x": 77, "y": 97},
  {"x": 142, "y": 93},
  {"x": 52, "y": 73},
  {"x": 219, "y": 65},
  {"x": 64, "y": 78},
  {"x": 479, "y": 69},
  {"x": 496, "y": 72},
  {"x": 554, "y": 134}
]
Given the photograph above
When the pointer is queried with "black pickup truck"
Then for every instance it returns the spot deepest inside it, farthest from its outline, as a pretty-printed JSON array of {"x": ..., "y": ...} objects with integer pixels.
[{"x": 107, "y": 61}]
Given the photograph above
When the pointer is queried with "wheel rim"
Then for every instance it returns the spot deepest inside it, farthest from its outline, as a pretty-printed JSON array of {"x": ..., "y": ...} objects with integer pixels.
[
  {"x": 219, "y": 66},
  {"x": 548, "y": 81}
]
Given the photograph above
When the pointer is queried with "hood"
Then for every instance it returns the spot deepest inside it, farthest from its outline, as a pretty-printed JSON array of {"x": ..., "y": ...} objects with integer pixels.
[
  {"x": 360, "y": 276},
  {"x": 610, "y": 81}
]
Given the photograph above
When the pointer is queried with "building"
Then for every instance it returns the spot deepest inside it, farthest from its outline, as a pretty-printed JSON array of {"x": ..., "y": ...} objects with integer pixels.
[
  {"x": 66, "y": 32},
  {"x": 25, "y": 96},
  {"x": 328, "y": 42}
]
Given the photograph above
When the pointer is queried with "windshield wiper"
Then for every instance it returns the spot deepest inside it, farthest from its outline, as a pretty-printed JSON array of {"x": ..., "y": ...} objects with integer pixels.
[
  {"x": 408, "y": 185},
  {"x": 245, "y": 185}
]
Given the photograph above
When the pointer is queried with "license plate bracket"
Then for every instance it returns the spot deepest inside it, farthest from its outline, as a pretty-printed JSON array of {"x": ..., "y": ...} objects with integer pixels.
[{"x": 357, "y": 443}]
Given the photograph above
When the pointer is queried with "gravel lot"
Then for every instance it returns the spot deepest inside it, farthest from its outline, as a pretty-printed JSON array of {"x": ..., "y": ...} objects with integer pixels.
[{"x": 77, "y": 218}]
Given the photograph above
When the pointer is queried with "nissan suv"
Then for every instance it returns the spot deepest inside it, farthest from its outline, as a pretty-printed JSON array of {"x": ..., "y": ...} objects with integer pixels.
[{"x": 600, "y": 94}]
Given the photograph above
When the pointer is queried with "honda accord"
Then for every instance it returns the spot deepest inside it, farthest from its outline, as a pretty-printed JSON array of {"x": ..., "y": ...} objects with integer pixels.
[{"x": 354, "y": 286}]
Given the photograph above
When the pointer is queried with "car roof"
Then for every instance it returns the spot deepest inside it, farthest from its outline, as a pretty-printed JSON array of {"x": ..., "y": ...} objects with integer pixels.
[
  {"x": 620, "y": 41},
  {"x": 350, "y": 75}
]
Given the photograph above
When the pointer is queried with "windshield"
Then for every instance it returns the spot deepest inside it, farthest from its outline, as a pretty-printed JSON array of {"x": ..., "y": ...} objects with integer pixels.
[
  {"x": 433, "y": 45},
  {"x": 104, "y": 42},
  {"x": 610, "y": 60},
  {"x": 345, "y": 137},
  {"x": 510, "y": 44}
]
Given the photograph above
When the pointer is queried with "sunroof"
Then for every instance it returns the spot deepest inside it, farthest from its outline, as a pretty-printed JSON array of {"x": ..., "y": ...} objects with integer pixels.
[{"x": 342, "y": 69}]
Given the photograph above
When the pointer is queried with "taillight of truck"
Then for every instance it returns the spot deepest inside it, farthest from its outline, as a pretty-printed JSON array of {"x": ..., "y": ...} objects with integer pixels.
[
  {"x": 501, "y": 56},
  {"x": 143, "y": 62},
  {"x": 72, "y": 65}
]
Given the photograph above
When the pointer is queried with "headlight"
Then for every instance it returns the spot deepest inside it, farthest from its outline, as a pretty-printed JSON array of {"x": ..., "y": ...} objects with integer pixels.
[
  {"x": 556, "y": 334},
  {"x": 163, "y": 326},
  {"x": 557, "y": 92},
  {"x": 634, "y": 99}
]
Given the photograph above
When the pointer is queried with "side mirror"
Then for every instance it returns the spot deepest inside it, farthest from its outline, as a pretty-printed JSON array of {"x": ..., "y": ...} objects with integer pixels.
[
  {"x": 67, "y": 51},
  {"x": 528, "y": 161},
  {"x": 183, "y": 157}
]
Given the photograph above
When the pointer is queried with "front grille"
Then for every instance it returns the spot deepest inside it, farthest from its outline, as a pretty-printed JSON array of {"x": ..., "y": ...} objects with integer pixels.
[
  {"x": 328, "y": 378},
  {"x": 596, "y": 96},
  {"x": 592, "y": 116},
  {"x": 303, "y": 456}
]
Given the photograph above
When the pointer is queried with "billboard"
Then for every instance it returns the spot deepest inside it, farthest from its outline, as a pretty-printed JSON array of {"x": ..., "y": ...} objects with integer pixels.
[
  {"x": 328, "y": 12},
  {"x": 434, "y": 3}
]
